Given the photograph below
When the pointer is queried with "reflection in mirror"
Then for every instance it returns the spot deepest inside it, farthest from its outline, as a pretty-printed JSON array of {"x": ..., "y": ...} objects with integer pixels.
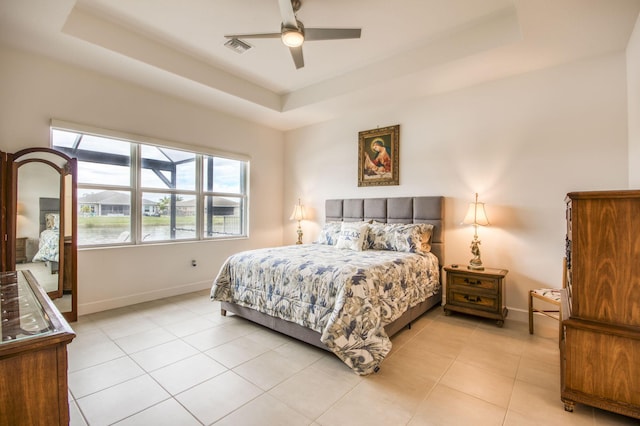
[
  {"x": 38, "y": 224},
  {"x": 45, "y": 222}
]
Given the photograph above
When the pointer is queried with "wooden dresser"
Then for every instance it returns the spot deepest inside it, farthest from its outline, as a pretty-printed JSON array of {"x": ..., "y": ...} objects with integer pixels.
[
  {"x": 474, "y": 292},
  {"x": 600, "y": 343},
  {"x": 21, "y": 250},
  {"x": 33, "y": 354}
]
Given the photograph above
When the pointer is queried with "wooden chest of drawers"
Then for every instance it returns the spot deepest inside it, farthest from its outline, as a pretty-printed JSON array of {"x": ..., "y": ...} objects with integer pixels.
[
  {"x": 21, "y": 250},
  {"x": 480, "y": 293},
  {"x": 600, "y": 339},
  {"x": 33, "y": 354}
]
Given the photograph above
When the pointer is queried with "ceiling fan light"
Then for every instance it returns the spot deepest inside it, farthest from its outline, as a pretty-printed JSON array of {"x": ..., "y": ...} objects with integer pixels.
[{"x": 292, "y": 38}]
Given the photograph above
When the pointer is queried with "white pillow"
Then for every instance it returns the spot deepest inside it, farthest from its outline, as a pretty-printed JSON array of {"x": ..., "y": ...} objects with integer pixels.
[{"x": 352, "y": 235}]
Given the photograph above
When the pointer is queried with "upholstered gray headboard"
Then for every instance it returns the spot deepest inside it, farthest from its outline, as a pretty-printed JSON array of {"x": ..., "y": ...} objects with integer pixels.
[{"x": 393, "y": 210}]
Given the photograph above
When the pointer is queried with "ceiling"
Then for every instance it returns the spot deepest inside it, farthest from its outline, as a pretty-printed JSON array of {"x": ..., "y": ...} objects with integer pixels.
[{"x": 408, "y": 48}]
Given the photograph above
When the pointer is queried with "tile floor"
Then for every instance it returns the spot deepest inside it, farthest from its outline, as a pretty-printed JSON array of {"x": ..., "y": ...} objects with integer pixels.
[{"x": 176, "y": 361}]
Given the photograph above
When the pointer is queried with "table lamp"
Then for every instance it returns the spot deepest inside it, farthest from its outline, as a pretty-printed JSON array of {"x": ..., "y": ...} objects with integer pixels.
[
  {"x": 476, "y": 216},
  {"x": 298, "y": 214}
]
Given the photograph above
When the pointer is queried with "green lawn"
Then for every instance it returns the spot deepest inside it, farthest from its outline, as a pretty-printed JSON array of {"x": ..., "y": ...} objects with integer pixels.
[{"x": 124, "y": 221}]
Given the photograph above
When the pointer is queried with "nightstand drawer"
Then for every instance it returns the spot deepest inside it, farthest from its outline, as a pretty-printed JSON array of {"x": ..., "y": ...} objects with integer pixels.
[
  {"x": 475, "y": 282},
  {"x": 475, "y": 301}
]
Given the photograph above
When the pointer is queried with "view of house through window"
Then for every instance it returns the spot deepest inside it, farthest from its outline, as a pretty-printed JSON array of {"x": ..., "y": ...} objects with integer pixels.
[{"x": 130, "y": 193}]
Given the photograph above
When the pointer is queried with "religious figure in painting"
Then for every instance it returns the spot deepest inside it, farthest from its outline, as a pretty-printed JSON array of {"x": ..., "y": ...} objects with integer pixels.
[{"x": 380, "y": 164}]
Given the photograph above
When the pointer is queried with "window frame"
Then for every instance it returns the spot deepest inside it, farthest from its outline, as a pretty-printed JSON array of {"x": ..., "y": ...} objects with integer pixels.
[{"x": 137, "y": 190}]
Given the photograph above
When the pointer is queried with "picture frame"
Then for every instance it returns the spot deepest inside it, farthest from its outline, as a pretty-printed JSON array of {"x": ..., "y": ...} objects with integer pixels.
[{"x": 379, "y": 156}]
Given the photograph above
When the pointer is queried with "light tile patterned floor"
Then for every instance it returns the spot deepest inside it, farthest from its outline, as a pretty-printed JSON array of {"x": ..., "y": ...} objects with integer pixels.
[{"x": 177, "y": 361}]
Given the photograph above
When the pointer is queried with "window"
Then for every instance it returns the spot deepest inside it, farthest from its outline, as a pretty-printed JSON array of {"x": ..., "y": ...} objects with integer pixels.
[{"x": 135, "y": 193}]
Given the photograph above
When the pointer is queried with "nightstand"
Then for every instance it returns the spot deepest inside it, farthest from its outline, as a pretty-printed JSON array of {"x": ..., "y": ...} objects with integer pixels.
[
  {"x": 480, "y": 293},
  {"x": 21, "y": 250}
]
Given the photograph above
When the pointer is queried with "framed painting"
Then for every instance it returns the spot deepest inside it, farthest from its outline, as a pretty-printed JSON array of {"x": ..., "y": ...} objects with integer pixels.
[{"x": 379, "y": 156}]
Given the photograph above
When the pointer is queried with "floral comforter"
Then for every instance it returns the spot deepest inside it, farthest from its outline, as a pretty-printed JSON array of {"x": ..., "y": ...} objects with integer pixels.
[{"x": 346, "y": 296}]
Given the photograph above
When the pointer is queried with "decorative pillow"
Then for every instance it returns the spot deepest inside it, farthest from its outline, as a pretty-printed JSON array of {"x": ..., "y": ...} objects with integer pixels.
[
  {"x": 329, "y": 233},
  {"x": 352, "y": 235},
  {"x": 52, "y": 221},
  {"x": 410, "y": 238},
  {"x": 378, "y": 237}
]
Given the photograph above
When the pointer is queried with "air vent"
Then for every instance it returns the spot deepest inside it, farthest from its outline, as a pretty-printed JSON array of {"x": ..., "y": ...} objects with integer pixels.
[{"x": 237, "y": 45}]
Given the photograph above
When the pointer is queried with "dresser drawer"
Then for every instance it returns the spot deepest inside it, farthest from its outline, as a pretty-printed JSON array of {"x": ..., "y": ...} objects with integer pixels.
[
  {"x": 474, "y": 301},
  {"x": 489, "y": 284}
]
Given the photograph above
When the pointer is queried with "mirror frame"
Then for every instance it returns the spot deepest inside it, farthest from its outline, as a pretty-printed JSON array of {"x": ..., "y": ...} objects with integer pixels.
[
  {"x": 5, "y": 183},
  {"x": 67, "y": 267}
]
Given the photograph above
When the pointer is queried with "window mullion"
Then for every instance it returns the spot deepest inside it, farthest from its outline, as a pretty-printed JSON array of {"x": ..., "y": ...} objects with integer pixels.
[
  {"x": 136, "y": 215},
  {"x": 244, "y": 211},
  {"x": 199, "y": 199}
]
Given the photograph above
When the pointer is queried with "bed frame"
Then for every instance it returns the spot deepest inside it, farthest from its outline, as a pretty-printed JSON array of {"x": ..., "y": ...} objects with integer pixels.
[{"x": 388, "y": 210}]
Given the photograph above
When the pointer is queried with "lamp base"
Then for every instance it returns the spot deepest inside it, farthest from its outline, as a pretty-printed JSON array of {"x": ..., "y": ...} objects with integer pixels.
[
  {"x": 299, "y": 234},
  {"x": 475, "y": 263}
]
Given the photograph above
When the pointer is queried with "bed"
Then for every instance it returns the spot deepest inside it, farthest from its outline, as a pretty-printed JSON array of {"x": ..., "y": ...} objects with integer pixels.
[
  {"x": 344, "y": 299},
  {"x": 49, "y": 239}
]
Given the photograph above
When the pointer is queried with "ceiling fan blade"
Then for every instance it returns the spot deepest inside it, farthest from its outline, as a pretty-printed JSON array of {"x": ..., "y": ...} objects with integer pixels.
[
  {"x": 287, "y": 13},
  {"x": 296, "y": 54},
  {"x": 311, "y": 34},
  {"x": 266, "y": 35}
]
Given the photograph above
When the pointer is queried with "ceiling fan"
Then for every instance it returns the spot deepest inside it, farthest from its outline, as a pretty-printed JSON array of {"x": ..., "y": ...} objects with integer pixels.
[{"x": 294, "y": 34}]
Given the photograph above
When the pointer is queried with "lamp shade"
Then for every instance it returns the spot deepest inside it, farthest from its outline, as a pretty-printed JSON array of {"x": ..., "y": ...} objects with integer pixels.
[
  {"x": 20, "y": 209},
  {"x": 476, "y": 214},
  {"x": 298, "y": 212}
]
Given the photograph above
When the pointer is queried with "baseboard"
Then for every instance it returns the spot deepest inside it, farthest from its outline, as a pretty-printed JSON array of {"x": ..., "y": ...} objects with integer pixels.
[
  {"x": 132, "y": 299},
  {"x": 543, "y": 326},
  {"x": 520, "y": 315}
]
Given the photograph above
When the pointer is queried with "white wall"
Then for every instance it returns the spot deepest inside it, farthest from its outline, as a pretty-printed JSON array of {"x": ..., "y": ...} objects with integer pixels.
[
  {"x": 522, "y": 143},
  {"x": 34, "y": 90},
  {"x": 633, "y": 101}
]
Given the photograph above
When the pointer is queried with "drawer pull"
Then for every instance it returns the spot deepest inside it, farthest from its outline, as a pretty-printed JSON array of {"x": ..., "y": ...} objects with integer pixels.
[
  {"x": 472, "y": 299},
  {"x": 471, "y": 282}
]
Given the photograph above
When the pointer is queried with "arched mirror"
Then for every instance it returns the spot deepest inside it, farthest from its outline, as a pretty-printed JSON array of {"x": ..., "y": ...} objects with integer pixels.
[{"x": 44, "y": 223}]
